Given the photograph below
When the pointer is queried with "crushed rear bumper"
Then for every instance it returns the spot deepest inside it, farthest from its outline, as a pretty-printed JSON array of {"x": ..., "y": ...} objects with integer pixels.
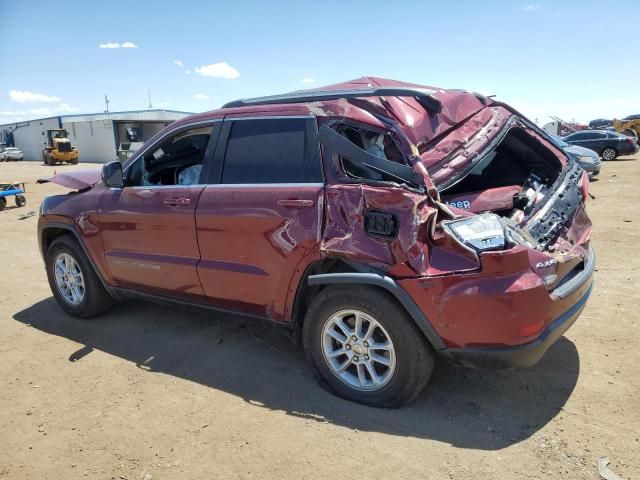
[{"x": 525, "y": 355}]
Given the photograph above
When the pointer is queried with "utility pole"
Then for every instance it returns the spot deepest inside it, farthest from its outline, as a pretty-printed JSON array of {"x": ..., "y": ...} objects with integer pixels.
[{"x": 106, "y": 105}]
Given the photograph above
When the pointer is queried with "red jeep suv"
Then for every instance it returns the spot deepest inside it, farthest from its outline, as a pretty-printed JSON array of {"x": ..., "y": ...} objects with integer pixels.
[{"x": 384, "y": 222}]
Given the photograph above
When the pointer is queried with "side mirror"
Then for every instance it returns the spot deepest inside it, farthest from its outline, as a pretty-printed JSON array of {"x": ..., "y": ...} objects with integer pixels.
[{"x": 112, "y": 174}]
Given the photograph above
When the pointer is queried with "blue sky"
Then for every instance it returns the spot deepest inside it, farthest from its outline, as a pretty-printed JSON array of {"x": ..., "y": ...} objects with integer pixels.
[{"x": 544, "y": 58}]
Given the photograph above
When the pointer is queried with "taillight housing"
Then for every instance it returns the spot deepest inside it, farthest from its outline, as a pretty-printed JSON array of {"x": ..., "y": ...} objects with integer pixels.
[{"x": 630, "y": 140}]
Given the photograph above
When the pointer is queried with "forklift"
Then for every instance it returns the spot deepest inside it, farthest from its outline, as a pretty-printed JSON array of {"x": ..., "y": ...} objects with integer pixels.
[{"x": 58, "y": 149}]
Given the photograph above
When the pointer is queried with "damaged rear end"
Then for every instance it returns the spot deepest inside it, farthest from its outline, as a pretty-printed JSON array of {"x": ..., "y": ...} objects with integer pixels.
[{"x": 483, "y": 224}]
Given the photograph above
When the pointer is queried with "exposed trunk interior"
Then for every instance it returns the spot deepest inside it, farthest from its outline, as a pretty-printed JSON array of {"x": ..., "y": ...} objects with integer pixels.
[
  {"x": 512, "y": 162},
  {"x": 510, "y": 180}
]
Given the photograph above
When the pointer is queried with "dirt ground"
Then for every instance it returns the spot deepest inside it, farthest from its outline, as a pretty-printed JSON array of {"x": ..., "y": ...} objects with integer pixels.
[{"x": 155, "y": 392}]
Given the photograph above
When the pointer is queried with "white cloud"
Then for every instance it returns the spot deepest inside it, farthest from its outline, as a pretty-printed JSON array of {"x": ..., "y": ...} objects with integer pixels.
[
  {"x": 218, "y": 70},
  {"x": 187, "y": 72},
  {"x": 201, "y": 96},
  {"x": 308, "y": 80},
  {"x": 532, "y": 7},
  {"x": 179, "y": 63},
  {"x": 22, "y": 96},
  {"x": 41, "y": 111},
  {"x": 63, "y": 107},
  {"x": 118, "y": 45},
  {"x": 12, "y": 113}
]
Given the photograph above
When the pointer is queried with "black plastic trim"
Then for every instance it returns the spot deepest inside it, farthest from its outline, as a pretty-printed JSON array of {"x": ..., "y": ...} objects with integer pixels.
[
  {"x": 336, "y": 143},
  {"x": 136, "y": 294},
  {"x": 574, "y": 281},
  {"x": 71, "y": 229},
  {"x": 392, "y": 287}
]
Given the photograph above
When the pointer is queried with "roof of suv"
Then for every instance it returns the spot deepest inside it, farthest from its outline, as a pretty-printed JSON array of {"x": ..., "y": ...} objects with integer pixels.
[{"x": 422, "y": 112}]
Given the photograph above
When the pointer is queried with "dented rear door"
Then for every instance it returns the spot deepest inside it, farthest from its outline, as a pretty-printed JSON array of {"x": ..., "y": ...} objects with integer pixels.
[{"x": 261, "y": 214}]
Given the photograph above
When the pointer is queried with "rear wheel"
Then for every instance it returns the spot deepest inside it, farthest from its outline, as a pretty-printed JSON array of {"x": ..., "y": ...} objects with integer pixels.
[
  {"x": 364, "y": 347},
  {"x": 74, "y": 284},
  {"x": 74, "y": 161},
  {"x": 609, "y": 153},
  {"x": 3, "y": 203},
  {"x": 21, "y": 201}
]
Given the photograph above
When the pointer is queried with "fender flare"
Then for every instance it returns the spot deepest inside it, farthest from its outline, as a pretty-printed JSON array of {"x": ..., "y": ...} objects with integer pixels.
[
  {"x": 72, "y": 230},
  {"x": 394, "y": 289}
]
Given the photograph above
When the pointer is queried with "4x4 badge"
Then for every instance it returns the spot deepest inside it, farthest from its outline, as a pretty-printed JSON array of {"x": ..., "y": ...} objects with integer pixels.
[{"x": 546, "y": 264}]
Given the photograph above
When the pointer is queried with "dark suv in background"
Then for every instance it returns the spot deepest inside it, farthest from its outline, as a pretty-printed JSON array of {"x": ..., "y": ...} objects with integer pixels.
[{"x": 383, "y": 222}]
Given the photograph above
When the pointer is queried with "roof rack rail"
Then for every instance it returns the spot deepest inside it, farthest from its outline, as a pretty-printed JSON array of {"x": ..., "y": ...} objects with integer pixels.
[{"x": 423, "y": 96}]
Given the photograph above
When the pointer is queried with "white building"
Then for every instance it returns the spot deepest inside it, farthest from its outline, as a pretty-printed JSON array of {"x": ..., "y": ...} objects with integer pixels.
[{"x": 100, "y": 137}]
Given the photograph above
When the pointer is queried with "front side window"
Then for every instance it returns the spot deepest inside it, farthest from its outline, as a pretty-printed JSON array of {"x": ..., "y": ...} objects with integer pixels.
[
  {"x": 271, "y": 151},
  {"x": 176, "y": 160}
]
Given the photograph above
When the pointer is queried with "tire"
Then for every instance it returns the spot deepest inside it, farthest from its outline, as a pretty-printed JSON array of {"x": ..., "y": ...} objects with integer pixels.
[
  {"x": 609, "y": 153},
  {"x": 45, "y": 159},
  {"x": 74, "y": 161},
  {"x": 95, "y": 299},
  {"x": 3, "y": 203},
  {"x": 410, "y": 354},
  {"x": 21, "y": 201}
]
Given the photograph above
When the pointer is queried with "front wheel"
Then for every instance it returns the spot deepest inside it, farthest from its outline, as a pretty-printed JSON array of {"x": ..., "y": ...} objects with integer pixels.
[
  {"x": 609, "y": 153},
  {"x": 364, "y": 347},
  {"x": 72, "y": 280},
  {"x": 21, "y": 201}
]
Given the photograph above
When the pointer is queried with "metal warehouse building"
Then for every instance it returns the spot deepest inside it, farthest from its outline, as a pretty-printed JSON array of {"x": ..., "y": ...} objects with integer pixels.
[{"x": 100, "y": 137}]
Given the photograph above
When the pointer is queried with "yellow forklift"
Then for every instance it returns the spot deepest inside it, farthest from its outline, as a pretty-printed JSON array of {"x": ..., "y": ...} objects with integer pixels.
[{"x": 58, "y": 148}]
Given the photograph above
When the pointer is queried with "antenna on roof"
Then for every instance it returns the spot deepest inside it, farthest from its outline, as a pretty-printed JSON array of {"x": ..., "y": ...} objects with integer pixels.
[
  {"x": 106, "y": 104},
  {"x": 149, "y": 94}
]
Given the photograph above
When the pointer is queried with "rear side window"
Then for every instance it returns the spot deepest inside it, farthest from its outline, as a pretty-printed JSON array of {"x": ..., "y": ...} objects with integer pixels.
[{"x": 272, "y": 151}]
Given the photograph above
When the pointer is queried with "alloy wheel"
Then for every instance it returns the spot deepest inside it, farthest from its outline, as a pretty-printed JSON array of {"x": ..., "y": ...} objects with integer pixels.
[
  {"x": 358, "y": 350},
  {"x": 69, "y": 279},
  {"x": 609, "y": 154}
]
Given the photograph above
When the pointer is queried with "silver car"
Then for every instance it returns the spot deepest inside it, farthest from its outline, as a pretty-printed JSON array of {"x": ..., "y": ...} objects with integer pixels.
[
  {"x": 586, "y": 158},
  {"x": 8, "y": 154}
]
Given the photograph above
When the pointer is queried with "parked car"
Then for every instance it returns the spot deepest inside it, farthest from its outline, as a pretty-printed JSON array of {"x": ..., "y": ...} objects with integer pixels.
[
  {"x": 608, "y": 145},
  {"x": 384, "y": 223},
  {"x": 600, "y": 124},
  {"x": 587, "y": 159},
  {"x": 8, "y": 154}
]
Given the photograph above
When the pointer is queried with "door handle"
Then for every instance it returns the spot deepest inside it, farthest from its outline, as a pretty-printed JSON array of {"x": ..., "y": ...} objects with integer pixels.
[
  {"x": 295, "y": 203},
  {"x": 174, "y": 202}
]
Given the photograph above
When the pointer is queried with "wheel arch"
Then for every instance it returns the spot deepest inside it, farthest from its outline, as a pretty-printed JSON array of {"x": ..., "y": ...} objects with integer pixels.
[
  {"x": 50, "y": 231},
  {"x": 328, "y": 272}
]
